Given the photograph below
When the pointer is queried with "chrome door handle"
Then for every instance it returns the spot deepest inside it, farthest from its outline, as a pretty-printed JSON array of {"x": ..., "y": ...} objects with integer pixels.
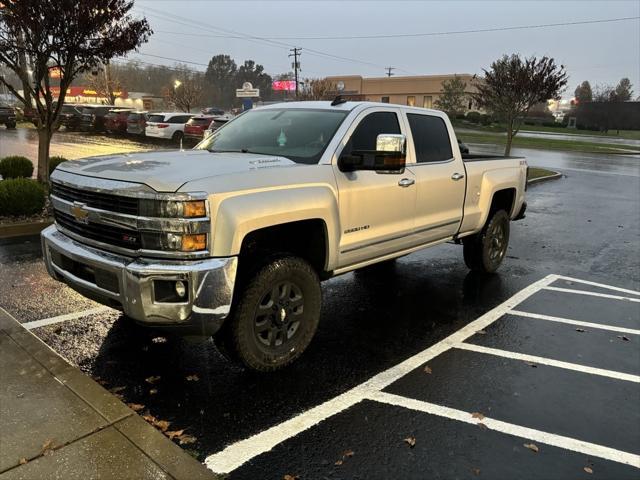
[
  {"x": 457, "y": 176},
  {"x": 406, "y": 182}
]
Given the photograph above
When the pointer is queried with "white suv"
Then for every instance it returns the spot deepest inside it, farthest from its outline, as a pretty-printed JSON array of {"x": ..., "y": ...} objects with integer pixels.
[{"x": 167, "y": 125}]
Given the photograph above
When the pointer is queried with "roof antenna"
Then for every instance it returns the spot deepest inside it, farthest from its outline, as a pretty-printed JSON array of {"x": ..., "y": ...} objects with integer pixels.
[{"x": 338, "y": 100}]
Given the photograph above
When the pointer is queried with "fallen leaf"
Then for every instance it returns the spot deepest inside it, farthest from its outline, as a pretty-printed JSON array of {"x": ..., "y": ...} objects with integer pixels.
[
  {"x": 153, "y": 391},
  {"x": 580, "y": 330},
  {"x": 481, "y": 332},
  {"x": 532, "y": 446},
  {"x": 291, "y": 477},
  {"x": 117, "y": 389},
  {"x": 428, "y": 370},
  {"x": 162, "y": 425},
  {"x": 152, "y": 379},
  {"x": 348, "y": 454},
  {"x": 531, "y": 364},
  {"x": 150, "y": 418},
  {"x": 411, "y": 441},
  {"x": 475, "y": 471},
  {"x": 47, "y": 447},
  {"x": 622, "y": 337},
  {"x": 174, "y": 433},
  {"x": 23, "y": 461},
  {"x": 588, "y": 469},
  {"x": 193, "y": 378},
  {"x": 136, "y": 407},
  {"x": 185, "y": 439},
  {"x": 477, "y": 415},
  {"x": 338, "y": 462},
  {"x": 482, "y": 425}
]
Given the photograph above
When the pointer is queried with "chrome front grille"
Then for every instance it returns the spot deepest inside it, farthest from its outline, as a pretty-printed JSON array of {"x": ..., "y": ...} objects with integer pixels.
[
  {"x": 120, "y": 237},
  {"x": 102, "y": 201}
]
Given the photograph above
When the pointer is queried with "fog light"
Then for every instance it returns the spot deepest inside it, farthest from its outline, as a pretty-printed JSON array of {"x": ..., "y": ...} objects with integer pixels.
[{"x": 181, "y": 290}]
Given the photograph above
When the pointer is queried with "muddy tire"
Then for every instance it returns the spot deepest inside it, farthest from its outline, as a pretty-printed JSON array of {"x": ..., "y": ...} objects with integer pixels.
[
  {"x": 274, "y": 317},
  {"x": 484, "y": 251}
]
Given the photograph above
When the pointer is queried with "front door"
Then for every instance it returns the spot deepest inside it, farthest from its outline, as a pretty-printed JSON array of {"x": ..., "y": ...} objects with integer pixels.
[{"x": 376, "y": 209}]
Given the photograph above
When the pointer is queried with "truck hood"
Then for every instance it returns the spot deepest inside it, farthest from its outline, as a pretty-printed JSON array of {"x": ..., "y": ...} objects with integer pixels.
[{"x": 167, "y": 171}]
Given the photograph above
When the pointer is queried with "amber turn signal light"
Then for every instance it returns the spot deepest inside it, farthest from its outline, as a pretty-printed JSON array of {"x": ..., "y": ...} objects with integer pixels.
[
  {"x": 195, "y": 209},
  {"x": 194, "y": 242}
]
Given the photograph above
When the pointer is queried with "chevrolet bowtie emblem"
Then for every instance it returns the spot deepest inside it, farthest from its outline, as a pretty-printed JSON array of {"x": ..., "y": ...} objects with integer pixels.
[{"x": 79, "y": 213}]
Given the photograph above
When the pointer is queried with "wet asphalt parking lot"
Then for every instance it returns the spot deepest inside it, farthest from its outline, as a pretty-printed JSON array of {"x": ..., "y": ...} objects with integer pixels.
[{"x": 552, "y": 369}]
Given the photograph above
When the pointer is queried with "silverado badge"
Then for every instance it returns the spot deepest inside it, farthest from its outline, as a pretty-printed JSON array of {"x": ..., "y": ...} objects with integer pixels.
[{"x": 79, "y": 212}]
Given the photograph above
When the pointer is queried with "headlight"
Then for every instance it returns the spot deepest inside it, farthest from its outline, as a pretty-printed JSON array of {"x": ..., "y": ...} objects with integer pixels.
[
  {"x": 175, "y": 242},
  {"x": 173, "y": 208}
]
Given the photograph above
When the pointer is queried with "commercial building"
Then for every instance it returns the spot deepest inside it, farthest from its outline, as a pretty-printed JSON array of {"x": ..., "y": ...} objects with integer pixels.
[{"x": 419, "y": 91}]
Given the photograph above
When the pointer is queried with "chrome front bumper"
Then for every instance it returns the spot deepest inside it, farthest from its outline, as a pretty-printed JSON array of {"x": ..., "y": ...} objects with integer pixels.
[{"x": 128, "y": 283}]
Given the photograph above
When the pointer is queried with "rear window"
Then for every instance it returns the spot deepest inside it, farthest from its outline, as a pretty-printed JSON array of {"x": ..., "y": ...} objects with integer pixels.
[
  {"x": 430, "y": 138},
  {"x": 199, "y": 121},
  {"x": 180, "y": 119},
  {"x": 156, "y": 118}
]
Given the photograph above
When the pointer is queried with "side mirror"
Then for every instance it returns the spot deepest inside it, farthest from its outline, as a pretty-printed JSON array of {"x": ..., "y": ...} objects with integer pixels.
[{"x": 388, "y": 157}]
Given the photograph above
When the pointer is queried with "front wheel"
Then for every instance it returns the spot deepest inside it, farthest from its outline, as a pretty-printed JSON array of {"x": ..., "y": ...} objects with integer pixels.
[
  {"x": 177, "y": 136},
  {"x": 484, "y": 251},
  {"x": 275, "y": 316}
]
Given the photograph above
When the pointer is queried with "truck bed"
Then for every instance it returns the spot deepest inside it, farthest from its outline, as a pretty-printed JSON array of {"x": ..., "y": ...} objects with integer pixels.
[{"x": 481, "y": 157}]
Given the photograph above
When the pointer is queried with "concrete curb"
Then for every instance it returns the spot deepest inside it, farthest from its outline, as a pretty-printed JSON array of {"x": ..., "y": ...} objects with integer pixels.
[
  {"x": 555, "y": 176},
  {"x": 91, "y": 454},
  {"x": 24, "y": 229}
]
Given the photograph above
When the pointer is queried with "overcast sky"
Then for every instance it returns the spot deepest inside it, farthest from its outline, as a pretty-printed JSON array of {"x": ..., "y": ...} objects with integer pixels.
[{"x": 195, "y": 30}]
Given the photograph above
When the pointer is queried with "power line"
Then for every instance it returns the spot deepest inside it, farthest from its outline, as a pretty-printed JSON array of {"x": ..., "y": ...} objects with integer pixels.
[
  {"x": 421, "y": 34},
  {"x": 240, "y": 35},
  {"x": 390, "y": 71}
]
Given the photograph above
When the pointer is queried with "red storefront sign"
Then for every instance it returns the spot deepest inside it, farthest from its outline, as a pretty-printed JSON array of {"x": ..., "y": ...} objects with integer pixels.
[
  {"x": 85, "y": 92},
  {"x": 288, "y": 85}
]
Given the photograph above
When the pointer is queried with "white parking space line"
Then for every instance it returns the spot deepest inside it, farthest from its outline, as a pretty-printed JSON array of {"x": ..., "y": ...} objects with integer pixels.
[
  {"x": 567, "y": 443},
  {"x": 234, "y": 455},
  {"x": 601, "y": 285},
  {"x": 63, "y": 318},
  {"x": 577, "y": 323},
  {"x": 549, "y": 361},
  {"x": 592, "y": 294}
]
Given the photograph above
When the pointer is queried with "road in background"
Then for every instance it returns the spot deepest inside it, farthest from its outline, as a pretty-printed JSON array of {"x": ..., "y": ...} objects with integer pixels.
[{"x": 71, "y": 145}]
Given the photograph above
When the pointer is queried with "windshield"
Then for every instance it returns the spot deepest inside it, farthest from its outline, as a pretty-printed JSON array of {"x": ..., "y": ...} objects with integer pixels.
[{"x": 301, "y": 135}]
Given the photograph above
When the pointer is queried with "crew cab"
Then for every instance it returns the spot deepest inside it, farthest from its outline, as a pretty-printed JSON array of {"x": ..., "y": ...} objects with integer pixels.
[{"x": 233, "y": 238}]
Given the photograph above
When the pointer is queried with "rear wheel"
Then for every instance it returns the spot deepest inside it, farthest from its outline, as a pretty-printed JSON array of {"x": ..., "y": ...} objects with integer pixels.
[
  {"x": 275, "y": 316},
  {"x": 177, "y": 136},
  {"x": 11, "y": 125},
  {"x": 484, "y": 251}
]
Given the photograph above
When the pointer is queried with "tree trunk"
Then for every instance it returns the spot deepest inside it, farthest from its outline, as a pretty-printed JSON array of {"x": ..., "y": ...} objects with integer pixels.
[
  {"x": 44, "y": 141},
  {"x": 507, "y": 148}
]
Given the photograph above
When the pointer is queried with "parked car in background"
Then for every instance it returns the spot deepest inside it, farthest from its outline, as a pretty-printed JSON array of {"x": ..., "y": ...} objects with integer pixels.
[
  {"x": 212, "y": 111},
  {"x": 116, "y": 120},
  {"x": 93, "y": 117},
  {"x": 137, "y": 122},
  {"x": 7, "y": 116},
  {"x": 215, "y": 125},
  {"x": 168, "y": 125},
  {"x": 70, "y": 116},
  {"x": 196, "y": 126}
]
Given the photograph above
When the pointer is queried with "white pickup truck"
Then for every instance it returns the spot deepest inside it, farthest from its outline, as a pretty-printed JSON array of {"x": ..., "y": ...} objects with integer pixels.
[{"x": 233, "y": 238}]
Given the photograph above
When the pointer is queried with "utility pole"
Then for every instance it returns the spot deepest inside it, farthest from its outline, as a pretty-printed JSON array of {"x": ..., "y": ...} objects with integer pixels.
[
  {"x": 296, "y": 65},
  {"x": 390, "y": 71}
]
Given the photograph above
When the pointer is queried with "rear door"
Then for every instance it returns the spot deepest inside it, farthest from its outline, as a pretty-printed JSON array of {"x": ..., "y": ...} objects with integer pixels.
[
  {"x": 439, "y": 175},
  {"x": 376, "y": 209}
]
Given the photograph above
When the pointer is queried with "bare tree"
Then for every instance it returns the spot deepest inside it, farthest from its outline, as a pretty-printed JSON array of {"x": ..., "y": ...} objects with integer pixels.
[
  {"x": 69, "y": 35},
  {"x": 105, "y": 82},
  {"x": 185, "y": 93},
  {"x": 453, "y": 96},
  {"x": 318, "y": 89},
  {"x": 513, "y": 85}
]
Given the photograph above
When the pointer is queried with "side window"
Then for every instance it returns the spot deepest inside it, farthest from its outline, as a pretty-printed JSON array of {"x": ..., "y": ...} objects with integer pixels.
[
  {"x": 430, "y": 138},
  {"x": 366, "y": 133}
]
